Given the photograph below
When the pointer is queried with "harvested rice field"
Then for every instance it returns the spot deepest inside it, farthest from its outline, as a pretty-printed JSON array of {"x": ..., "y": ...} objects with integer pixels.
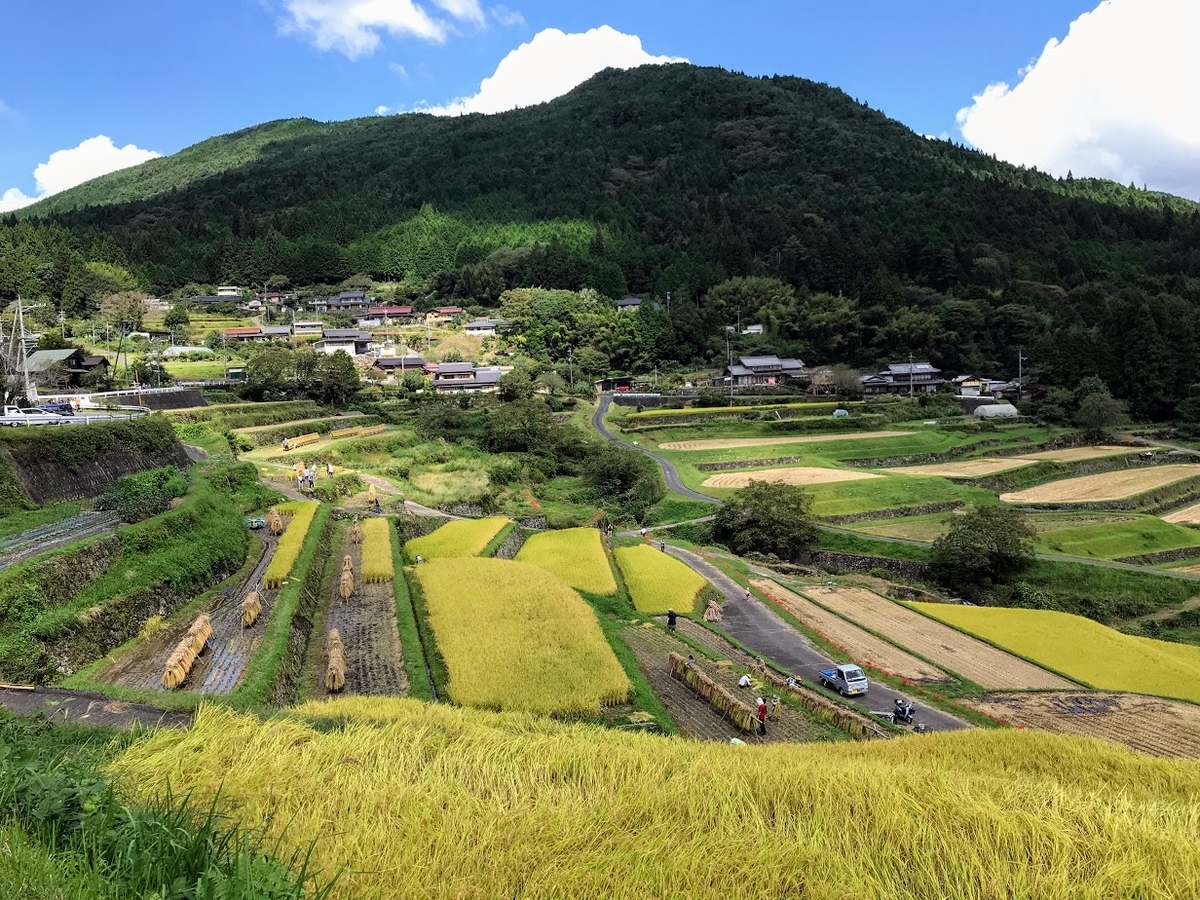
[
  {"x": 1189, "y": 515},
  {"x": 1150, "y": 725},
  {"x": 967, "y": 468},
  {"x": 864, "y": 648},
  {"x": 1075, "y": 454},
  {"x": 941, "y": 644},
  {"x": 920, "y": 528},
  {"x": 734, "y": 443},
  {"x": 1105, "y": 486},
  {"x": 801, "y": 475}
]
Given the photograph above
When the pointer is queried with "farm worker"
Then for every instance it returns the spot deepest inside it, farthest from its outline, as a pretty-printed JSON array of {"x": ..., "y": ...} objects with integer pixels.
[
  {"x": 774, "y": 707},
  {"x": 285, "y": 444},
  {"x": 377, "y": 510},
  {"x": 691, "y": 661},
  {"x": 420, "y": 560},
  {"x": 744, "y": 681},
  {"x": 762, "y": 716},
  {"x": 643, "y": 531},
  {"x": 671, "y": 619},
  {"x": 747, "y": 593},
  {"x": 329, "y": 469},
  {"x": 662, "y": 545},
  {"x": 791, "y": 682}
]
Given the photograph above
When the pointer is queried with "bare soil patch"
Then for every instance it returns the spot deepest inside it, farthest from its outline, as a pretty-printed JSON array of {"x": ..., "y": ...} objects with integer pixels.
[
  {"x": 219, "y": 668},
  {"x": 734, "y": 443},
  {"x": 967, "y": 468},
  {"x": 88, "y": 708},
  {"x": 1152, "y": 725},
  {"x": 1074, "y": 454},
  {"x": 800, "y": 475},
  {"x": 370, "y": 637},
  {"x": 862, "y": 646},
  {"x": 1105, "y": 486},
  {"x": 960, "y": 653},
  {"x": 1189, "y": 515}
]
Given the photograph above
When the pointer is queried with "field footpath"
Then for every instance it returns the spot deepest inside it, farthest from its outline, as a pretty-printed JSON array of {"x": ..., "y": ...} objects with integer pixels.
[{"x": 769, "y": 636}]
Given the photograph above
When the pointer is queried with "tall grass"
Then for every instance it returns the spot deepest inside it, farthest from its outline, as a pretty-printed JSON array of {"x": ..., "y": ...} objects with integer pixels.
[
  {"x": 293, "y": 539},
  {"x": 574, "y": 555},
  {"x": 436, "y": 801},
  {"x": 515, "y": 637},
  {"x": 658, "y": 582}
]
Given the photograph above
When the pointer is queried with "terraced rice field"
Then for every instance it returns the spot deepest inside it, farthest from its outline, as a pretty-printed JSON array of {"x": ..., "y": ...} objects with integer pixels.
[
  {"x": 1189, "y": 515},
  {"x": 734, "y": 443},
  {"x": 863, "y": 647},
  {"x": 1095, "y": 654},
  {"x": 1105, "y": 486},
  {"x": 1151, "y": 725},
  {"x": 801, "y": 475},
  {"x": 967, "y": 468},
  {"x": 463, "y": 537},
  {"x": 941, "y": 644},
  {"x": 1075, "y": 454},
  {"x": 573, "y": 554},
  {"x": 657, "y": 581}
]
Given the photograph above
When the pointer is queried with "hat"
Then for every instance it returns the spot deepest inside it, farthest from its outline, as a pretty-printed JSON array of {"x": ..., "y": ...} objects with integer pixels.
[{"x": 759, "y": 701}]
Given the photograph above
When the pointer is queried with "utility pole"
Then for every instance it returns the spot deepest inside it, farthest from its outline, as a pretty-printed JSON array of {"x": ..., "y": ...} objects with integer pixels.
[
  {"x": 1020, "y": 371},
  {"x": 22, "y": 358},
  {"x": 571, "y": 366},
  {"x": 910, "y": 376}
]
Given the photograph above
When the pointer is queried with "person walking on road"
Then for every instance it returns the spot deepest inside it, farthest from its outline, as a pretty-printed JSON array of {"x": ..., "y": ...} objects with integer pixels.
[
  {"x": 762, "y": 717},
  {"x": 662, "y": 546},
  {"x": 747, "y": 593},
  {"x": 671, "y": 619},
  {"x": 643, "y": 532}
]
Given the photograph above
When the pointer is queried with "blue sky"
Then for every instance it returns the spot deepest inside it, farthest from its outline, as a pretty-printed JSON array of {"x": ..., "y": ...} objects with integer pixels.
[{"x": 162, "y": 75}]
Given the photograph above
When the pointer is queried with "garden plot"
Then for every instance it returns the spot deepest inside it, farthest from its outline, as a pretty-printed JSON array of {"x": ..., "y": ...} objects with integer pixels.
[
  {"x": 366, "y": 623},
  {"x": 953, "y": 650},
  {"x": 1105, "y": 486},
  {"x": 863, "y": 647},
  {"x": 801, "y": 475},
  {"x": 1149, "y": 724},
  {"x": 734, "y": 443},
  {"x": 967, "y": 468},
  {"x": 1075, "y": 454},
  {"x": 230, "y": 647},
  {"x": 1189, "y": 515}
]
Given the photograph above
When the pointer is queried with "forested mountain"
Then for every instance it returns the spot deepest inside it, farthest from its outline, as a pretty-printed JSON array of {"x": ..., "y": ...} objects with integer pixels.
[{"x": 861, "y": 240}]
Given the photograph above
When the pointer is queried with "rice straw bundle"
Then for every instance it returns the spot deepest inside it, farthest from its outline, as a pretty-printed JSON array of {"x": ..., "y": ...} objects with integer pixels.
[
  {"x": 251, "y": 608},
  {"x": 275, "y": 522},
  {"x": 346, "y": 586},
  {"x": 371, "y": 495},
  {"x": 335, "y": 672},
  {"x": 356, "y": 533},
  {"x": 347, "y": 563},
  {"x": 179, "y": 664},
  {"x": 713, "y": 612},
  {"x": 717, "y": 695}
]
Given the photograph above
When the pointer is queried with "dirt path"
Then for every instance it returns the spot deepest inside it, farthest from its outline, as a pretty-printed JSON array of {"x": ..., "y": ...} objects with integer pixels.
[
  {"x": 219, "y": 668},
  {"x": 27, "y": 544},
  {"x": 370, "y": 637},
  {"x": 87, "y": 708}
]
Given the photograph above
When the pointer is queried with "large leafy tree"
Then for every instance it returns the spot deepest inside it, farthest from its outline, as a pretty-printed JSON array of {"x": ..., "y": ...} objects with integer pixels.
[
  {"x": 768, "y": 518},
  {"x": 985, "y": 546}
]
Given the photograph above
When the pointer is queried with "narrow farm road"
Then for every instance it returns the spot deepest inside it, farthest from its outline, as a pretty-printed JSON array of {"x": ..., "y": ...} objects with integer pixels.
[{"x": 770, "y": 637}]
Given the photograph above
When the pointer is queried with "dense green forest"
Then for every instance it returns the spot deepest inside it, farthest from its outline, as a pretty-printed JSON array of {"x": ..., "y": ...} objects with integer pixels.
[{"x": 852, "y": 238}]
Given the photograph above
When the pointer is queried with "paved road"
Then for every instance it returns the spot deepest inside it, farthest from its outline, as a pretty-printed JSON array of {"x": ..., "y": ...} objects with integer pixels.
[
  {"x": 770, "y": 637},
  {"x": 674, "y": 482}
]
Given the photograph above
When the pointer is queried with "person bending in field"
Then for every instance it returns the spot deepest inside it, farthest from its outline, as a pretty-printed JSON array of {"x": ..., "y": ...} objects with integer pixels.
[
  {"x": 691, "y": 661},
  {"x": 671, "y": 619},
  {"x": 744, "y": 681}
]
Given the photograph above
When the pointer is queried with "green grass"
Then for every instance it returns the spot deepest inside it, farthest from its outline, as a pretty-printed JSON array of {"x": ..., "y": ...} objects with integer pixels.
[
  {"x": 197, "y": 369},
  {"x": 420, "y": 684},
  {"x": 890, "y": 492},
  {"x": 863, "y": 545},
  {"x": 1146, "y": 534},
  {"x": 36, "y": 518},
  {"x": 1101, "y": 593}
]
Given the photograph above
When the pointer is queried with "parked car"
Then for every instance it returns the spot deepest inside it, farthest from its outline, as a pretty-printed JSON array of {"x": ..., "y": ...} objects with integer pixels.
[
  {"x": 14, "y": 416},
  {"x": 63, "y": 409},
  {"x": 846, "y": 679}
]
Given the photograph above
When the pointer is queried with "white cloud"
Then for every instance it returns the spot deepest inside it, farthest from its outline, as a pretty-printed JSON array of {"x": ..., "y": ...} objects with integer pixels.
[
  {"x": 400, "y": 72},
  {"x": 550, "y": 65},
  {"x": 66, "y": 168},
  {"x": 505, "y": 16},
  {"x": 352, "y": 27},
  {"x": 6, "y": 111},
  {"x": 1116, "y": 98}
]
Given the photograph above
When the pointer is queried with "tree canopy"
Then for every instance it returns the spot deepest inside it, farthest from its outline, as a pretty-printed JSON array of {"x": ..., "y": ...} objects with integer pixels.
[
  {"x": 985, "y": 546},
  {"x": 766, "y": 518}
]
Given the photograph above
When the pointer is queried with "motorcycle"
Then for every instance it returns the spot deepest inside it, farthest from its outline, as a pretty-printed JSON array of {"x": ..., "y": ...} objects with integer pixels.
[{"x": 902, "y": 712}]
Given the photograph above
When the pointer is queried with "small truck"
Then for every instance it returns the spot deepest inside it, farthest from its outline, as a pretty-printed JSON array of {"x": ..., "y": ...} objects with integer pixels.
[
  {"x": 14, "y": 415},
  {"x": 848, "y": 680}
]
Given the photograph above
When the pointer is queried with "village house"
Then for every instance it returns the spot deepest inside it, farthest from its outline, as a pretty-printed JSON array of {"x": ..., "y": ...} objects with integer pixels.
[
  {"x": 307, "y": 329},
  {"x": 757, "y": 371},
  {"x": 443, "y": 314},
  {"x": 465, "y": 378},
  {"x": 484, "y": 327},
  {"x": 349, "y": 340},
  {"x": 64, "y": 368},
  {"x": 628, "y": 303},
  {"x": 394, "y": 368},
  {"x": 904, "y": 378},
  {"x": 382, "y": 315}
]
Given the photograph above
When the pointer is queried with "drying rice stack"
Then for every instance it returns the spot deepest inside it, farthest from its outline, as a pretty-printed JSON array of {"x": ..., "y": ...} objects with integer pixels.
[
  {"x": 251, "y": 608},
  {"x": 335, "y": 672},
  {"x": 179, "y": 664},
  {"x": 718, "y": 696},
  {"x": 713, "y": 612},
  {"x": 275, "y": 522},
  {"x": 371, "y": 495},
  {"x": 356, "y": 532},
  {"x": 346, "y": 587},
  {"x": 347, "y": 563}
]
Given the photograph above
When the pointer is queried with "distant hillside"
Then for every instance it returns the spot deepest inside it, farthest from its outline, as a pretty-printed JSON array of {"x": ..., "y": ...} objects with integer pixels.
[{"x": 651, "y": 180}]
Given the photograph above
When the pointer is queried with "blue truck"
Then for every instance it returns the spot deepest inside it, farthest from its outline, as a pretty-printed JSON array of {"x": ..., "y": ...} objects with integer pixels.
[{"x": 848, "y": 680}]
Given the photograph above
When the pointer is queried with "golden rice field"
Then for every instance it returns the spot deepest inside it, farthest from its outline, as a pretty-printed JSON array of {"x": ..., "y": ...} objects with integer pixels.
[
  {"x": 1074, "y": 454},
  {"x": 377, "y": 551},
  {"x": 412, "y": 800},
  {"x": 1082, "y": 649},
  {"x": 949, "y": 649},
  {"x": 574, "y": 555},
  {"x": 514, "y": 637},
  {"x": 462, "y": 537},
  {"x": 967, "y": 468},
  {"x": 302, "y": 512},
  {"x": 657, "y": 581},
  {"x": 801, "y": 475},
  {"x": 1105, "y": 486},
  {"x": 734, "y": 443},
  {"x": 862, "y": 646}
]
